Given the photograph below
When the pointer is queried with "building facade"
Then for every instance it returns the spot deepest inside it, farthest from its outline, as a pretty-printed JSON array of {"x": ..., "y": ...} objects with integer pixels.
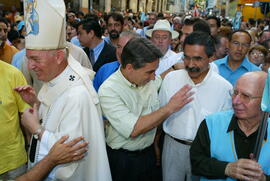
[{"x": 134, "y": 5}]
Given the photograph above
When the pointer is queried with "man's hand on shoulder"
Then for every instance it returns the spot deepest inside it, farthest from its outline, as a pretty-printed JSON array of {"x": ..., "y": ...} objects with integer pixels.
[
  {"x": 180, "y": 98},
  {"x": 67, "y": 152},
  {"x": 60, "y": 153},
  {"x": 28, "y": 94}
]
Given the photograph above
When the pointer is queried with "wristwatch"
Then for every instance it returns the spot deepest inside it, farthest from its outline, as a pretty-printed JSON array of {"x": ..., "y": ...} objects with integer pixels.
[{"x": 37, "y": 132}]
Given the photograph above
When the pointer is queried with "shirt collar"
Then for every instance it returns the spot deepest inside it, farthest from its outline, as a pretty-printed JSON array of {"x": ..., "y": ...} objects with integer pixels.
[
  {"x": 244, "y": 64},
  {"x": 224, "y": 60},
  {"x": 208, "y": 75},
  {"x": 59, "y": 78},
  {"x": 99, "y": 46},
  {"x": 234, "y": 125},
  {"x": 167, "y": 54},
  {"x": 123, "y": 78}
]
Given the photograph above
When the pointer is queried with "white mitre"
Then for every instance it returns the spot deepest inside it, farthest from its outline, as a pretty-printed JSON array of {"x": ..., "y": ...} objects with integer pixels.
[{"x": 45, "y": 24}]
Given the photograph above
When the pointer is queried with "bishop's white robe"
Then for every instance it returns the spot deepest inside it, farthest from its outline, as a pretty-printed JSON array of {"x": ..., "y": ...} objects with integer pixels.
[{"x": 70, "y": 106}]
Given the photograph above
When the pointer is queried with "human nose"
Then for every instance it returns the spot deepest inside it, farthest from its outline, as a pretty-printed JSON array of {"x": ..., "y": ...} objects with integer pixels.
[
  {"x": 160, "y": 40},
  {"x": 113, "y": 26},
  {"x": 236, "y": 99},
  {"x": 240, "y": 47},
  {"x": 191, "y": 62}
]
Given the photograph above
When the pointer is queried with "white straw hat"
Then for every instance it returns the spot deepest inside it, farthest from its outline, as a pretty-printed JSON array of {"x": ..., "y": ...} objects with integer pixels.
[{"x": 162, "y": 25}]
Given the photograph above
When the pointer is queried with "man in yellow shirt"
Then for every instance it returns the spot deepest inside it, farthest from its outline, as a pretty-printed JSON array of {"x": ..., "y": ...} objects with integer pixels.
[
  {"x": 12, "y": 150},
  {"x": 6, "y": 51}
]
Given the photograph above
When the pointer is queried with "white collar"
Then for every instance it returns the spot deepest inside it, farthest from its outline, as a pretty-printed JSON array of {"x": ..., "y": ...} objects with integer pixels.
[{"x": 58, "y": 78}]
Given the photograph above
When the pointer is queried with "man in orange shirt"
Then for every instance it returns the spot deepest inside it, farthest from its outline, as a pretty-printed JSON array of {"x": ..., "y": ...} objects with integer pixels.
[{"x": 6, "y": 51}]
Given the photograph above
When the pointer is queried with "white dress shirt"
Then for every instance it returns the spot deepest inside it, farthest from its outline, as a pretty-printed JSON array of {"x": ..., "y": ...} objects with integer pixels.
[
  {"x": 167, "y": 61},
  {"x": 211, "y": 95}
]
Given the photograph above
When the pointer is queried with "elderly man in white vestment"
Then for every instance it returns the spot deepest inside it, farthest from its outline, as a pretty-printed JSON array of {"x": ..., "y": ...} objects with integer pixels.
[
  {"x": 212, "y": 94},
  {"x": 76, "y": 52},
  {"x": 68, "y": 103}
]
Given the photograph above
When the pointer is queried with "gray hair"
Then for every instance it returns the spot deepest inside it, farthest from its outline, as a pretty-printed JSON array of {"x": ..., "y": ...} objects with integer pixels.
[
  {"x": 65, "y": 51},
  {"x": 129, "y": 34}
]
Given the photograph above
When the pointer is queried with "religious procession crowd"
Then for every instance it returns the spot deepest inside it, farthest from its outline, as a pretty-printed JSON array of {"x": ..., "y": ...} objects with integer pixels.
[{"x": 131, "y": 96}]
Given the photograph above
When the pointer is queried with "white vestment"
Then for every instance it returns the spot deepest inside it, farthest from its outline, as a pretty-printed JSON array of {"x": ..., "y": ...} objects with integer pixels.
[{"x": 70, "y": 106}]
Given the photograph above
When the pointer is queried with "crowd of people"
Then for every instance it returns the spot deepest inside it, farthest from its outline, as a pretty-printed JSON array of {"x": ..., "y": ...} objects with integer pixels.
[{"x": 131, "y": 96}]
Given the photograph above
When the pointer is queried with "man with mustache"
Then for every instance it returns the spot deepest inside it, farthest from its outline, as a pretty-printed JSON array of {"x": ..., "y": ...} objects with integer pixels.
[
  {"x": 115, "y": 22},
  {"x": 236, "y": 63},
  {"x": 211, "y": 94},
  {"x": 129, "y": 101}
]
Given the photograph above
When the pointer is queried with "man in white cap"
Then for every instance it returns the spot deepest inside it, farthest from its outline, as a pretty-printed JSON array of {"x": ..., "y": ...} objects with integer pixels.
[
  {"x": 69, "y": 104},
  {"x": 161, "y": 35}
]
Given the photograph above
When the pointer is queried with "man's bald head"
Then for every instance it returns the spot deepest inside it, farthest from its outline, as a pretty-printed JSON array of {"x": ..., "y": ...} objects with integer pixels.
[
  {"x": 255, "y": 79},
  {"x": 246, "y": 99}
]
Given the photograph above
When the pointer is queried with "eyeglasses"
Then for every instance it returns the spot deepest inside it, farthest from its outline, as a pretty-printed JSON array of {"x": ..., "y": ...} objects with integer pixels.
[
  {"x": 245, "y": 45},
  {"x": 161, "y": 37},
  {"x": 244, "y": 97},
  {"x": 257, "y": 54}
]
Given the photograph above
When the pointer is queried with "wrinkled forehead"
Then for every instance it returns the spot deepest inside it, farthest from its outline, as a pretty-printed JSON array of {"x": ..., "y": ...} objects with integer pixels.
[
  {"x": 240, "y": 36},
  {"x": 38, "y": 53},
  {"x": 249, "y": 84},
  {"x": 113, "y": 20}
]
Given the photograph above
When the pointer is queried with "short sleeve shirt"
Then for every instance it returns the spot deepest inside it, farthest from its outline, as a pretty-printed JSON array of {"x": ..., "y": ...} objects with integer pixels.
[
  {"x": 122, "y": 104},
  {"x": 233, "y": 75},
  {"x": 12, "y": 150}
]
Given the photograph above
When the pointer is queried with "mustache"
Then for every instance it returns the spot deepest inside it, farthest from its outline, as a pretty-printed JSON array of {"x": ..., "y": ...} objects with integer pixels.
[{"x": 192, "y": 69}]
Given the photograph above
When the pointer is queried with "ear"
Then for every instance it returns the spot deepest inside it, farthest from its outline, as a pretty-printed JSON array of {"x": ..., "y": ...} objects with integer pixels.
[
  {"x": 60, "y": 56},
  {"x": 129, "y": 67},
  {"x": 91, "y": 34}
]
